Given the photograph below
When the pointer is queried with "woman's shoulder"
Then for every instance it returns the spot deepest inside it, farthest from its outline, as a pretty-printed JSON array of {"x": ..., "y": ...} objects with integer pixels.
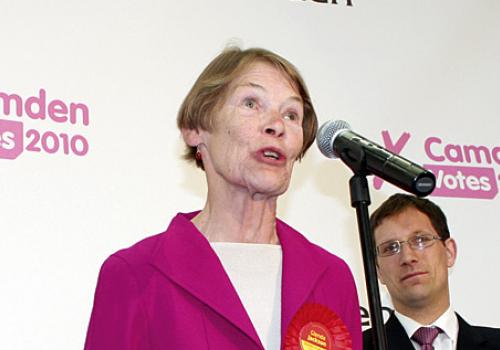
[
  {"x": 142, "y": 251},
  {"x": 291, "y": 236},
  {"x": 134, "y": 260}
]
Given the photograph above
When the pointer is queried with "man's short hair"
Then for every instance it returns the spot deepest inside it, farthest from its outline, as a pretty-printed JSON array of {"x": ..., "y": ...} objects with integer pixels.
[{"x": 399, "y": 202}]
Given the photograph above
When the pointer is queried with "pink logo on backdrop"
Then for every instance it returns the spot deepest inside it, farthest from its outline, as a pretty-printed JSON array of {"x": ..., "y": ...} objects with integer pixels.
[
  {"x": 11, "y": 139},
  {"x": 28, "y": 125},
  {"x": 462, "y": 171},
  {"x": 464, "y": 182}
]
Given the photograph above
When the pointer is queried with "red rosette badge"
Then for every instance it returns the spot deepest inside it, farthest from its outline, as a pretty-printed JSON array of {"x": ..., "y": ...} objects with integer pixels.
[{"x": 316, "y": 327}]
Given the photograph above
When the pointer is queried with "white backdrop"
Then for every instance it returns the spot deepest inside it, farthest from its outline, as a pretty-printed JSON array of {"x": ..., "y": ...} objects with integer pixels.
[{"x": 424, "y": 73}]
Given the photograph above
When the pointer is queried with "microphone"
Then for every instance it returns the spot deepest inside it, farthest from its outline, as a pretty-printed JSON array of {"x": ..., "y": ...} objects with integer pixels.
[{"x": 335, "y": 139}]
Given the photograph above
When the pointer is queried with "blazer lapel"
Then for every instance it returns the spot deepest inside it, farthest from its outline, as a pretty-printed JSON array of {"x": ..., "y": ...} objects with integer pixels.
[
  {"x": 186, "y": 258},
  {"x": 301, "y": 271},
  {"x": 468, "y": 337},
  {"x": 397, "y": 338}
]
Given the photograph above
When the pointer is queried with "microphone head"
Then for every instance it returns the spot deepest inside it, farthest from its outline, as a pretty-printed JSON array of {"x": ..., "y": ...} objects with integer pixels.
[{"x": 327, "y": 134}]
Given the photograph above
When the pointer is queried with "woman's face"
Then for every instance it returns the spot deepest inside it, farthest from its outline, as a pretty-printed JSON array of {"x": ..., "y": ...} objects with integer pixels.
[{"x": 257, "y": 135}]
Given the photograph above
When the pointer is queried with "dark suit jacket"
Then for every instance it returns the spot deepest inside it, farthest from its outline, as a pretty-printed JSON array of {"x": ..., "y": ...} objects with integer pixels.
[{"x": 469, "y": 337}]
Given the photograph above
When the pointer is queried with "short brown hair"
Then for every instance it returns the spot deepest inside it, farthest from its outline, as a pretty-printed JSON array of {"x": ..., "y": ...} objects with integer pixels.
[
  {"x": 398, "y": 202},
  {"x": 209, "y": 90}
]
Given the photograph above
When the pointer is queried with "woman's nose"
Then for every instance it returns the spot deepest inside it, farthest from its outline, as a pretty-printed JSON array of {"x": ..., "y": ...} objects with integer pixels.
[{"x": 274, "y": 125}]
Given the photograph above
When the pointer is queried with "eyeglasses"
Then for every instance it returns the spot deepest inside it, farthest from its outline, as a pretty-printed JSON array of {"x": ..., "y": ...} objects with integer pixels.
[{"x": 418, "y": 242}]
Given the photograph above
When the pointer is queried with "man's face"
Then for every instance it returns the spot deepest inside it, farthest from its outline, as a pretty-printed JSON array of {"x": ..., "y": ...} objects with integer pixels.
[{"x": 414, "y": 278}]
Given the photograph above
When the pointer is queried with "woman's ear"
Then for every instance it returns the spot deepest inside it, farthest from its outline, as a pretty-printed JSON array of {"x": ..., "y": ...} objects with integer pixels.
[{"x": 192, "y": 137}]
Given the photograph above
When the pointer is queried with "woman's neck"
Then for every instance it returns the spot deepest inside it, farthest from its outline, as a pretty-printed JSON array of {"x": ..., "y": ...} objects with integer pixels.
[{"x": 238, "y": 217}]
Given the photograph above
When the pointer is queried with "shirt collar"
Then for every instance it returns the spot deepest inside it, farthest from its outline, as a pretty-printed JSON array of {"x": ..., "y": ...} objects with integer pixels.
[{"x": 448, "y": 323}]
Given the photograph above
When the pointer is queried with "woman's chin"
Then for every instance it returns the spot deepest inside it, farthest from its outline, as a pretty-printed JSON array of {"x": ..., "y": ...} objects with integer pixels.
[{"x": 269, "y": 188}]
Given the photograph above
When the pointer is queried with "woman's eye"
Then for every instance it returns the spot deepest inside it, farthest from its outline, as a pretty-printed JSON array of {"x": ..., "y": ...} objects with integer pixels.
[
  {"x": 291, "y": 116},
  {"x": 250, "y": 103}
]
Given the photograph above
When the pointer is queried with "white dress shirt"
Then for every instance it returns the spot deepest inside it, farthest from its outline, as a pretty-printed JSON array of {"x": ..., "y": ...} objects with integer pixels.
[
  {"x": 255, "y": 272},
  {"x": 448, "y": 322}
]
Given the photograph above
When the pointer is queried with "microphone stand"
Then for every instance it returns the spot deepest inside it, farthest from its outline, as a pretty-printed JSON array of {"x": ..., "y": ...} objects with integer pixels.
[{"x": 360, "y": 199}]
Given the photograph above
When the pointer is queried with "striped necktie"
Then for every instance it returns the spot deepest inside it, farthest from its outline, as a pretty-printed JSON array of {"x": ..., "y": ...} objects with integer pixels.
[{"x": 425, "y": 336}]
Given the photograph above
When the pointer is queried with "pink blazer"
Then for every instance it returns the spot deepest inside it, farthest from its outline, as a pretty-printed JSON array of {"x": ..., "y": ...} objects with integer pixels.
[{"x": 170, "y": 291}]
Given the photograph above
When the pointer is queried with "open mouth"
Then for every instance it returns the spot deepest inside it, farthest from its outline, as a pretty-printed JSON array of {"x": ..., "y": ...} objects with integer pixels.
[{"x": 272, "y": 154}]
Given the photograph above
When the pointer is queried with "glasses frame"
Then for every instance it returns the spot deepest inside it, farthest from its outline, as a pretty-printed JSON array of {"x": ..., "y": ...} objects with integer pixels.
[{"x": 413, "y": 246}]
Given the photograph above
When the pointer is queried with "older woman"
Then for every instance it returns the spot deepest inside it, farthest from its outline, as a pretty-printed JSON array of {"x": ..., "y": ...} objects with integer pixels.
[{"x": 232, "y": 276}]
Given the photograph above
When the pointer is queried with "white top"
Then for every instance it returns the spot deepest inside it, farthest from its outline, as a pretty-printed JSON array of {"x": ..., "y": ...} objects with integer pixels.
[
  {"x": 448, "y": 322},
  {"x": 255, "y": 272}
]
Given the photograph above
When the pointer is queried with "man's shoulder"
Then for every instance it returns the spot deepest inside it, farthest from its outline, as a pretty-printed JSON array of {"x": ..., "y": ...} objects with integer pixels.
[
  {"x": 396, "y": 336},
  {"x": 489, "y": 332},
  {"x": 488, "y": 337}
]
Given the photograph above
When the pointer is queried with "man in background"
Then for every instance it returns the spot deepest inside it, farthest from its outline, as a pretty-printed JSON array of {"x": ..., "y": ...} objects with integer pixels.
[{"x": 414, "y": 253}]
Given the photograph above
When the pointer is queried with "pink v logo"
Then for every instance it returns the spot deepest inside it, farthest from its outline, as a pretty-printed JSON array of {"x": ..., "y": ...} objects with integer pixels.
[{"x": 394, "y": 148}]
